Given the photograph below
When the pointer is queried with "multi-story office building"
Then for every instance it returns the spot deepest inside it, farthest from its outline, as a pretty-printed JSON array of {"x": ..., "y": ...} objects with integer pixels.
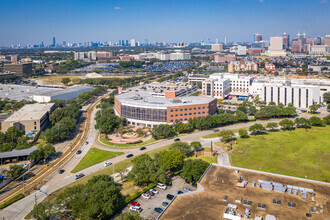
[
  {"x": 255, "y": 51},
  {"x": 133, "y": 43},
  {"x": 318, "y": 50},
  {"x": 286, "y": 41},
  {"x": 14, "y": 58},
  {"x": 239, "y": 50},
  {"x": 85, "y": 56},
  {"x": 276, "y": 47},
  {"x": 270, "y": 67},
  {"x": 180, "y": 56},
  {"x": 30, "y": 118},
  {"x": 217, "y": 47},
  {"x": 103, "y": 55},
  {"x": 18, "y": 68},
  {"x": 222, "y": 58},
  {"x": 216, "y": 87},
  {"x": 296, "y": 45},
  {"x": 242, "y": 66},
  {"x": 143, "y": 109},
  {"x": 327, "y": 40},
  {"x": 257, "y": 37}
]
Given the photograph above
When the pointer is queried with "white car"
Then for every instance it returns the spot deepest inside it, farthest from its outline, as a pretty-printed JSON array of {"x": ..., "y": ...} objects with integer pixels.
[
  {"x": 106, "y": 164},
  {"x": 161, "y": 186},
  {"x": 135, "y": 208},
  {"x": 187, "y": 189},
  {"x": 146, "y": 196},
  {"x": 154, "y": 191}
]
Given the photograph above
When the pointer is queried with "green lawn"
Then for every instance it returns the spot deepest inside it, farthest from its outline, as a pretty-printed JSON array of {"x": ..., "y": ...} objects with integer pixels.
[
  {"x": 300, "y": 153},
  {"x": 103, "y": 141},
  {"x": 216, "y": 134},
  {"x": 94, "y": 156}
]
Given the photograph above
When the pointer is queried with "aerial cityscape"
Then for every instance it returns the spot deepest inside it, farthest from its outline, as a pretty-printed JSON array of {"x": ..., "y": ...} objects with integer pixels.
[{"x": 133, "y": 110}]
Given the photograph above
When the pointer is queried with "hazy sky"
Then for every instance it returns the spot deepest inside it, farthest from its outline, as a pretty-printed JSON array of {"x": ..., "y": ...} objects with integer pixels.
[{"x": 34, "y": 21}]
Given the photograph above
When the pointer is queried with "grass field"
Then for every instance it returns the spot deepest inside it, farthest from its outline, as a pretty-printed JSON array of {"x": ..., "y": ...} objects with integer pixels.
[
  {"x": 216, "y": 134},
  {"x": 56, "y": 80},
  {"x": 103, "y": 141},
  {"x": 94, "y": 156},
  {"x": 300, "y": 153}
]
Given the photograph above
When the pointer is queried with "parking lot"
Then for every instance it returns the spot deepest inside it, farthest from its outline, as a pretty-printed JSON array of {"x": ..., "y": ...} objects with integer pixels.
[{"x": 155, "y": 201}]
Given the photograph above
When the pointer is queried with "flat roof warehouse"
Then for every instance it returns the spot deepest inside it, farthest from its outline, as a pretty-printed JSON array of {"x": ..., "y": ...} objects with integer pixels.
[
  {"x": 235, "y": 193},
  {"x": 40, "y": 93}
]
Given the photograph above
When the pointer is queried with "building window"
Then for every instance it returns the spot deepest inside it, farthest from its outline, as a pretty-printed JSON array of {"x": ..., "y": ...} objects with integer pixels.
[
  {"x": 278, "y": 95},
  {"x": 35, "y": 123},
  {"x": 176, "y": 115},
  {"x": 194, "y": 113},
  {"x": 292, "y": 98},
  {"x": 181, "y": 110},
  {"x": 171, "y": 120},
  {"x": 306, "y": 98},
  {"x": 285, "y": 96},
  {"x": 180, "y": 114},
  {"x": 299, "y": 97},
  {"x": 171, "y": 116},
  {"x": 208, "y": 89},
  {"x": 190, "y": 108},
  {"x": 171, "y": 110},
  {"x": 185, "y": 113},
  {"x": 190, "y": 114},
  {"x": 194, "y": 108},
  {"x": 271, "y": 94},
  {"x": 203, "y": 107}
]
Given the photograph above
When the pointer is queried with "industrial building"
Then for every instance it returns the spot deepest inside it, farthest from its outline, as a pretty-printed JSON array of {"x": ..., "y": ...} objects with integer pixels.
[
  {"x": 143, "y": 109},
  {"x": 31, "y": 118},
  {"x": 18, "y": 68},
  {"x": 226, "y": 192},
  {"x": 41, "y": 93},
  {"x": 241, "y": 66}
]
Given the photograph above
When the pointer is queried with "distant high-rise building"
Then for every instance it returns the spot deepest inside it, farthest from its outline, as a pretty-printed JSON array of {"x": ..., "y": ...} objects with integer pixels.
[
  {"x": 276, "y": 47},
  {"x": 126, "y": 43},
  {"x": 327, "y": 40},
  {"x": 319, "y": 40},
  {"x": 133, "y": 43},
  {"x": 296, "y": 45},
  {"x": 216, "y": 41},
  {"x": 225, "y": 40},
  {"x": 286, "y": 41},
  {"x": 54, "y": 42},
  {"x": 217, "y": 47},
  {"x": 146, "y": 42},
  {"x": 257, "y": 37}
]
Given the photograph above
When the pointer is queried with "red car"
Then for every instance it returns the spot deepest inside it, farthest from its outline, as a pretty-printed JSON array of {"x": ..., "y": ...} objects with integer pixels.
[{"x": 133, "y": 203}]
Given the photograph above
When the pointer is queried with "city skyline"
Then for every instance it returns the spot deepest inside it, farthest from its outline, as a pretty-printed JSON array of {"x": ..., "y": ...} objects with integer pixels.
[{"x": 171, "y": 21}]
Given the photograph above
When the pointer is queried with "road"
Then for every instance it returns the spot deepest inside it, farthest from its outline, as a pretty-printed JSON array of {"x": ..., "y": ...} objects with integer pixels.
[{"x": 56, "y": 181}]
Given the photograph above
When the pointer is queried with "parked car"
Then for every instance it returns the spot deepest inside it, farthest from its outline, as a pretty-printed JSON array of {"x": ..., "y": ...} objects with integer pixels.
[
  {"x": 143, "y": 148},
  {"x": 180, "y": 192},
  {"x": 135, "y": 208},
  {"x": 216, "y": 130},
  {"x": 159, "y": 210},
  {"x": 150, "y": 193},
  {"x": 78, "y": 176},
  {"x": 187, "y": 189},
  {"x": 129, "y": 155},
  {"x": 154, "y": 191},
  {"x": 86, "y": 142},
  {"x": 165, "y": 204},
  {"x": 134, "y": 203},
  {"x": 177, "y": 139},
  {"x": 106, "y": 164},
  {"x": 169, "y": 196},
  {"x": 146, "y": 196},
  {"x": 61, "y": 171},
  {"x": 161, "y": 186},
  {"x": 79, "y": 151}
]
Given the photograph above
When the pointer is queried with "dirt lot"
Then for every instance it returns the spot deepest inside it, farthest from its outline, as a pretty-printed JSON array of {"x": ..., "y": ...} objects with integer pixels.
[
  {"x": 155, "y": 201},
  {"x": 210, "y": 205}
]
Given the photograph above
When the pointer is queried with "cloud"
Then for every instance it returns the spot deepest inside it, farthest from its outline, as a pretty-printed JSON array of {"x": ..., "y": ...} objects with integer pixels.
[
  {"x": 261, "y": 1},
  {"x": 324, "y": 2},
  {"x": 118, "y": 8}
]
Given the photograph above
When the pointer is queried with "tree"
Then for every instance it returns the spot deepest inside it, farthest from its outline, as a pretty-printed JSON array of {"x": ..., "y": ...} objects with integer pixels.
[
  {"x": 243, "y": 133},
  {"x": 302, "y": 123},
  {"x": 43, "y": 151},
  {"x": 196, "y": 145},
  {"x": 192, "y": 170},
  {"x": 171, "y": 160},
  {"x": 100, "y": 198},
  {"x": 316, "y": 121},
  {"x": 313, "y": 108},
  {"x": 162, "y": 131},
  {"x": 328, "y": 106},
  {"x": 183, "y": 147},
  {"x": 14, "y": 171},
  {"x": 257, "y": 128},
  {"x": 287, "y": 124},
  {"x": 14, "y": 133},
  {"x": 252, "y": 110},
  {"x": 66, "y": 81},
  {"x": 226, "y": 135},
  {"x": 129, "y": 216},
  {"x": 326, "y": 120},
  {"x": 326, "y": 97},
  {"x": 45, "y": 210},
  {"x": 272, "y": 126},
  {"x": 272, "y": 103}
]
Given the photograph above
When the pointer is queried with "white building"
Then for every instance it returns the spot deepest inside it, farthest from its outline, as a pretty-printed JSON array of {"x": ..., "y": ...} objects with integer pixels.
[
  {"x": 180, "y": 56},
  {"x": 239, "y": 50},
  {"x": 133, "y": 43},
  {"x": 318, "y": 50},
  {"x": 217, "y": 47},
  {"x": 216, "y": 87},
  {"x": 85, "y": 56},
  {"x": 276, "y": 47}
]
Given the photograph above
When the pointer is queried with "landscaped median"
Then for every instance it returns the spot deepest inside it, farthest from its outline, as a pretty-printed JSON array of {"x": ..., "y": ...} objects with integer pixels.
[
  {"x": 301, "y": 152},
  {"x": 104, "y": 142},
  {"x": 11, "y": 201},
  {"x": 95, "y": 156}
]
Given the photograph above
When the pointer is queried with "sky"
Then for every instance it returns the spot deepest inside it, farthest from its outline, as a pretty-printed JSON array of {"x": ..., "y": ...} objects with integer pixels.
[{"x": 36, "y": 21}]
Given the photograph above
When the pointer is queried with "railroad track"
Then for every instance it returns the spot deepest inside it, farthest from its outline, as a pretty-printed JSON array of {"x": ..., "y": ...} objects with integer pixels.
[{"x": 67, "y": 151}]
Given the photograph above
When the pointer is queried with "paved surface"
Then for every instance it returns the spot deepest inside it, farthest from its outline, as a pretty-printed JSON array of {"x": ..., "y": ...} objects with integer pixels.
[
  {"x": 148, "y": 205},
  {"x": 21, "y": 208}
]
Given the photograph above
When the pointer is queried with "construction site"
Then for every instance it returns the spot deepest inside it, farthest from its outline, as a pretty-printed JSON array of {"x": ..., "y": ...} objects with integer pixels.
[{"x": 235, "y": 193}]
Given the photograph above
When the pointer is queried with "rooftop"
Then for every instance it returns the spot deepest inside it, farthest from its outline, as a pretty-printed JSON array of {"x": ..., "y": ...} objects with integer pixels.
[
  {"x": 262, "y": 193},
  {"x": 145, "y": 99},
  {"x": 25, "y": 92},
  {"x": 30, "y": 112},
  {"x": 17, "y": 153}
]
